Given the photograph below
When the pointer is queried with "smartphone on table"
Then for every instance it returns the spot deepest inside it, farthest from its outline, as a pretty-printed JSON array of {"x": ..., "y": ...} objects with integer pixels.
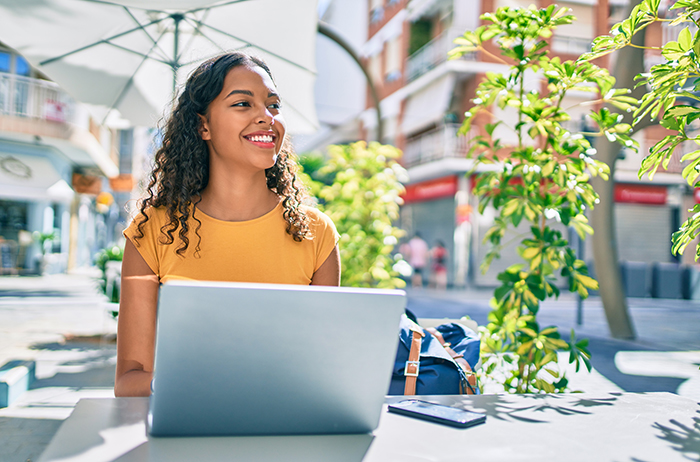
[{"x": 437, "y": 413}]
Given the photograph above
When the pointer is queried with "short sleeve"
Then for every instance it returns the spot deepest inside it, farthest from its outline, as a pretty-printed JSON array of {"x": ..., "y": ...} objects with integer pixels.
[
  {"x": 146, "y": 245},
  {"x": 324, "y": 234}
]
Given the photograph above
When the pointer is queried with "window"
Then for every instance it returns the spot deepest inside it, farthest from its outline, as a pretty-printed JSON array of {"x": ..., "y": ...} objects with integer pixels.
[
  {"x": 5, "y": 61},
  {"x": 376, "y": 11},
  {"x": 421, "y": 34},
  {"x": 22, "y": 66},
  {"x": 393, "y": 59}
]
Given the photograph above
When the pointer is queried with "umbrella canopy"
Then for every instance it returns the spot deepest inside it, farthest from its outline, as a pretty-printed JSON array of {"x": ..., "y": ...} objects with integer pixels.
[{"x": 131, "y": 54}]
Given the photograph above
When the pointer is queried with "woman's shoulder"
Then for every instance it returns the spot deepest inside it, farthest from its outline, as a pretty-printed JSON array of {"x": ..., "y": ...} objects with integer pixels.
[
  {"x": 316, "y": 217},
  {"x": 150, "y": 213},
  {"x": 151, "y": 218}
]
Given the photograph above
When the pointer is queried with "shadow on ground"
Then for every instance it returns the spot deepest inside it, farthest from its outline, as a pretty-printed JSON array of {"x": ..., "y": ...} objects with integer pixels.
[
  {"x": 603, "y": 350},
  {"x": 25, "y": 439},
  {"x": 603, "y": 353},
  {"x": 92, "y": 363}
]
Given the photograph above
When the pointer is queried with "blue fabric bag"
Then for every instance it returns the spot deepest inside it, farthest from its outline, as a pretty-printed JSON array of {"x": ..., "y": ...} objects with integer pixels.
[{"x": 437, "y": 372}]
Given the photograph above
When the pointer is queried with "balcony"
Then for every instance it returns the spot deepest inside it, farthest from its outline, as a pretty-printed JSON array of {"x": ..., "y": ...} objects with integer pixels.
[
  {"x": 28, "y": 98},
  {"x": 571, "y": 45},
  {"x": 439, "y": 143},
  {"x": 432, "y": 54}
]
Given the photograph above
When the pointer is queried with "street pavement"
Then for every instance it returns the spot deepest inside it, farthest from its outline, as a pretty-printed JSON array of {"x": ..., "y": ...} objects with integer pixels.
[
  {"x": 60, "y": 321},
  {"x": 664, "y": 356}
]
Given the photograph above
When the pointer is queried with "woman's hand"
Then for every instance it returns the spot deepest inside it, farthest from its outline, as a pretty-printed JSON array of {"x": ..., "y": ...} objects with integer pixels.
[
  {"x": 136, "y": 332},
  {"x": 329, "y": 272}
]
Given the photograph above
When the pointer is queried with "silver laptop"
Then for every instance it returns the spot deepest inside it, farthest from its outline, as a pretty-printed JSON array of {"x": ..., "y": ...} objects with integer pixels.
[{"x": 263, "y": 359}]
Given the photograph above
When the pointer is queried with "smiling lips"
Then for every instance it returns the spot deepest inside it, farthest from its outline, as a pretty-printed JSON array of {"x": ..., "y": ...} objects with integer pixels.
[{"x": 262, "y": 139}]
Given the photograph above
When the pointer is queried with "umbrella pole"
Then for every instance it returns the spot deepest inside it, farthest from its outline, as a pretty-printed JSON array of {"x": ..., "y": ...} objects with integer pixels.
[
  {"x": 175, "y": 65},
  {"x": 325, "y": 30}
]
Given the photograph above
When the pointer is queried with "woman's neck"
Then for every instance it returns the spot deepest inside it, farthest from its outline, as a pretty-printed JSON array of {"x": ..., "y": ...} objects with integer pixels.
[{"x": 239, "y": 198}]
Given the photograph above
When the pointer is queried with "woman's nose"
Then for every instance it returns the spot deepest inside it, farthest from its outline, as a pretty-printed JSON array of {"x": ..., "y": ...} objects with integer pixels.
[{"x": 266, "y": 117}]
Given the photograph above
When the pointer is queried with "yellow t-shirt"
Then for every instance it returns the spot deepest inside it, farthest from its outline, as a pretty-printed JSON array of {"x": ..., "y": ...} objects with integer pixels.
[{"x": 258, "y": 250}]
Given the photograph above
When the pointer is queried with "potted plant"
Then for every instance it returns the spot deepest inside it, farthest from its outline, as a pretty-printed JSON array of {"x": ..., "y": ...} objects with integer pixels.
[
  {"x": 43, "y": 238},
  {"x": 108, "y": 260}
]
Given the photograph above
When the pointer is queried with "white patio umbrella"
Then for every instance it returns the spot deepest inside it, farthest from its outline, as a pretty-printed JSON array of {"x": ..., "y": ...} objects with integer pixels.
[{"x": 131, "y": 54}]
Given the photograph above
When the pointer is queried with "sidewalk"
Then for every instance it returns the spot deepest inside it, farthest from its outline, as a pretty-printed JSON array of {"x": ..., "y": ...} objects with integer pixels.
[{"x": 59, "y": 322}]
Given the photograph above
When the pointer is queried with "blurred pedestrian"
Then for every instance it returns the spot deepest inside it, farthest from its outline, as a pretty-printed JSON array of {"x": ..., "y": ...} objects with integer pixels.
[
  {"x": 439, "y": 255},
  {"x": 418, "y": 255}
]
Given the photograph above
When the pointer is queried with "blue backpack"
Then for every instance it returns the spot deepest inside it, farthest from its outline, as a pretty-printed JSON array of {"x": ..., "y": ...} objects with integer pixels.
[{"x": 435, "y": 361}]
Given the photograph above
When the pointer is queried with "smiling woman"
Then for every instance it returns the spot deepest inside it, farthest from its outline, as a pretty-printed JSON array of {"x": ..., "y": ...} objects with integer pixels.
[{"x": 223, "y": 204}]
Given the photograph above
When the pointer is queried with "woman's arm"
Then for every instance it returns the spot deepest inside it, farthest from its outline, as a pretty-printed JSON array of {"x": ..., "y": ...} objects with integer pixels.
[
  {"x": 136, "y": 332},
  {"x": 329, "y": 272}
]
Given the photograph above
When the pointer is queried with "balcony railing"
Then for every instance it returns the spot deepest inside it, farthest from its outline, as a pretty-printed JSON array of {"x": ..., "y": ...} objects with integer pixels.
[
  {"x": 431, "y": 54},
  {"x": 33, "y": 98},
  {"x": 571, "y": 45},
  {"x": 440, "y": 143}
]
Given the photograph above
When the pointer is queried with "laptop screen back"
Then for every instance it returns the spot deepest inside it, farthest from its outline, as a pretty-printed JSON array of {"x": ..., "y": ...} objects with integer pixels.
[{"x": 260, "y": 359}]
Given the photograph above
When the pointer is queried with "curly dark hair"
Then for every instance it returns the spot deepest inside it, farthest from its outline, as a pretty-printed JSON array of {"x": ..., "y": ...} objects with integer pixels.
[{"x": 181, "y": 166}]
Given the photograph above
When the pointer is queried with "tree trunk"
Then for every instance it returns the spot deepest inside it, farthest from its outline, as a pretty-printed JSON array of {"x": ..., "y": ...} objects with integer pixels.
[{"x": 629, "y": 63}]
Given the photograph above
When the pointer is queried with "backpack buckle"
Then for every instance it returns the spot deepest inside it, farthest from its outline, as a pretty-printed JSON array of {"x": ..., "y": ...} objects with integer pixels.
[{"x": 411, "y": 364}]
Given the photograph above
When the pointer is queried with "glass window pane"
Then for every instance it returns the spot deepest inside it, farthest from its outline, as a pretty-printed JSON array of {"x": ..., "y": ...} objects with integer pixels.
[
  {"x": 21, "y": 66},
  {"x": 5, "y": 61}
]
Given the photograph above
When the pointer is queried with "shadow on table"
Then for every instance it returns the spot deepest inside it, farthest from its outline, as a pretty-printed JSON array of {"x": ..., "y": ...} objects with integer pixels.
[
  {"x": 504, "y": 408},
  {"x": 681, "y": 437}
]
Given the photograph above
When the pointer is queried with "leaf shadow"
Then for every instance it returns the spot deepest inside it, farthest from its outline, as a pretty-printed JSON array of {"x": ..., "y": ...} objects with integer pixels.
[
  {"x": 681, "y": 437},
  {"x": 502, "y": 407}
]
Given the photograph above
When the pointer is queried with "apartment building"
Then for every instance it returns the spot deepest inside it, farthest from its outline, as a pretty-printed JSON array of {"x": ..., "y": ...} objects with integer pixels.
[
  {"x": 55, "y": 160},
  {"x": 423, "y": 100}
]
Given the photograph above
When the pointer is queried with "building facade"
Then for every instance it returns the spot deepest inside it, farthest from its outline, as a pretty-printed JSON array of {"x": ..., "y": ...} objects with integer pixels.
[
  {"x": 423, "y": 100},
  {"x": 56, "y": 159}
]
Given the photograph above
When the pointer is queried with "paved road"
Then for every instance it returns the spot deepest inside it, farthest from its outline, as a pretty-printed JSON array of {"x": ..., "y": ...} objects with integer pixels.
[
  {"x": 664, "y": 356},
  {"x": 60, "y": 322}
]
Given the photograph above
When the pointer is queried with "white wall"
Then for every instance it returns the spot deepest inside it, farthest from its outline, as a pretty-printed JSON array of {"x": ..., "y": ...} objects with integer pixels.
[{"x": 340, "y": 84}]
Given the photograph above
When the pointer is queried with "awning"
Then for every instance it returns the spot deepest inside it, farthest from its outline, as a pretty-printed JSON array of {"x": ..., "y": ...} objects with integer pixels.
[
  {"x": 31, "y": 178},
  {"x": 80, "y": 148},
  {"x": 428, "y": 105}
]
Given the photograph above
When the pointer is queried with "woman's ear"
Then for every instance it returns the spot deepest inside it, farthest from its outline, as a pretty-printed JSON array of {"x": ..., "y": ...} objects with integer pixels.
[{"x": 204, "y": 128}]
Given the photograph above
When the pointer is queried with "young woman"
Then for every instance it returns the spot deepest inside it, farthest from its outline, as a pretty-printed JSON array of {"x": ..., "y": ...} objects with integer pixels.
[{"x": 223, "y": 204}]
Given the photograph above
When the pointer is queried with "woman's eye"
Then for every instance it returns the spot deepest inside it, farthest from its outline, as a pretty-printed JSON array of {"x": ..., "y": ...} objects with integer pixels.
[
  {"x": 276, "y": 106},
  {"x": 241, "y": 104}
]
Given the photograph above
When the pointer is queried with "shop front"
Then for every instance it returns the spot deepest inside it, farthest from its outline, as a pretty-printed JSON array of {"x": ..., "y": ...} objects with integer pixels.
[{"x": 430, "y": 209}]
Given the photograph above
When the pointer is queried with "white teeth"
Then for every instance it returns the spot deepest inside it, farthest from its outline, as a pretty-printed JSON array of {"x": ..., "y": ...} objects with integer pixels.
[{"x": 261, "y": 138}]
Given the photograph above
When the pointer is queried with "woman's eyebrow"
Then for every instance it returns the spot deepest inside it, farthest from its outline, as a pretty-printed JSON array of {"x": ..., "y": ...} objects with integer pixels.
[
  {"x": 242, "y": 92},
  {"x": 250, "y": 93}
]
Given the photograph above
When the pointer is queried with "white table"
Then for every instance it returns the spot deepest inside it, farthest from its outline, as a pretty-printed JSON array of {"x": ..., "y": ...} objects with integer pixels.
[{"x": 573, "y": 427}]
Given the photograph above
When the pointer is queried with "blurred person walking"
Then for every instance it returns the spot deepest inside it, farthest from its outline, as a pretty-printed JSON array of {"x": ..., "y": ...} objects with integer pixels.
[
  {"x": 418, "y": 255},
  {"x": 439, "y": 255}
]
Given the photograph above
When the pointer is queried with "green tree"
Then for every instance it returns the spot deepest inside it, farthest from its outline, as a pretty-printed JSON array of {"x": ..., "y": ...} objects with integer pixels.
[
  {"x": 363, "y": 202},
  {"x": 543, "y": 178},
  {"x": 676, "y": 78}
]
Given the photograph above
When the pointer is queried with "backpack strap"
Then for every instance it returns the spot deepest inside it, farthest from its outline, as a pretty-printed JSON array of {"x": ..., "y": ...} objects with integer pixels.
[
  {"x": 413, "y": 364},
  {"x": 458, "y": 358}
]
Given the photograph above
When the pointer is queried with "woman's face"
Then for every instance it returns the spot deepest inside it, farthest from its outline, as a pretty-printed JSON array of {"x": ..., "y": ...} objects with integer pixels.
[{"x": 243, "y": 125}]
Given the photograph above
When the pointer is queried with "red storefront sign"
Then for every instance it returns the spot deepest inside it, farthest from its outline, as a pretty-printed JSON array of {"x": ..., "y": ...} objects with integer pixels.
[
  {"x": 640, "y": 194},
  {"x": 432, "y": 189}
]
